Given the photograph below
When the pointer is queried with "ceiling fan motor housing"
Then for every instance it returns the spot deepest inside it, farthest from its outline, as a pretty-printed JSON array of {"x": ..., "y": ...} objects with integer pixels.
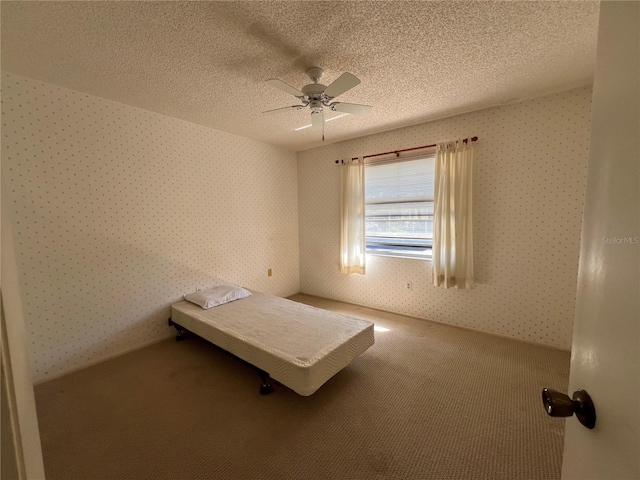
[
  {"x": 313, "y": 89},
  {"x": 315, "y": 94}
]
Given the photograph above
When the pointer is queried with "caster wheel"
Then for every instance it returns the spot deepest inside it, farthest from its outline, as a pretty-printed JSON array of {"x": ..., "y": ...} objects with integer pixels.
[
  {"x": 180, "y": 338},
  {"x": 265, "y": 389}
]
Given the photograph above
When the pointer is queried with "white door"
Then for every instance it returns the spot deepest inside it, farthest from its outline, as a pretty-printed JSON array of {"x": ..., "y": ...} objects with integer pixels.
[{"x": 605, "y": 358}]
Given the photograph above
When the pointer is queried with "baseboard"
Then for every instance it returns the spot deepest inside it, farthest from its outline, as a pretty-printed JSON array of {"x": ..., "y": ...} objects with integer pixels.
[
  {"x": 463, "y": 327},
  {"x": 100, "y": 360}
]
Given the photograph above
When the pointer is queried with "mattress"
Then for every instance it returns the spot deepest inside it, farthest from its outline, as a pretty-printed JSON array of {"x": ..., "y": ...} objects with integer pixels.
[{"x": 298, "y": 345}]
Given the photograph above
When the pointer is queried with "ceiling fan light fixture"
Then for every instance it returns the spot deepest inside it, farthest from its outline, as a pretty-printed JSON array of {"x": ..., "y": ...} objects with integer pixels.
[{"x": 316, "y": 106}]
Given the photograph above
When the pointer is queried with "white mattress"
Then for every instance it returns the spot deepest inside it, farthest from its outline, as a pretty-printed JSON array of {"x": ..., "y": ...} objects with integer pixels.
[{"x": 298, "y": 345}]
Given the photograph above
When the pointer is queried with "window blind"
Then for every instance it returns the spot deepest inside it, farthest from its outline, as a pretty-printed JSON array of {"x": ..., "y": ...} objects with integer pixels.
[{"x": 399, "y": 202}]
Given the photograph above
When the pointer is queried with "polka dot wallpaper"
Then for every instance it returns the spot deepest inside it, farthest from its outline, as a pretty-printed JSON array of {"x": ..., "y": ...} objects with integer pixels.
[
  {"x": 529, "y": 183},
  {"x": 117, "y": 212}
]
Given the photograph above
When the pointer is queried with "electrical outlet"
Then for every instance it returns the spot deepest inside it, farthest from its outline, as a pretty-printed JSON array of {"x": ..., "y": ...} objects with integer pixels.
[
  {"x": 269, "y": 273},
  {"x": 409, "y": 286}
]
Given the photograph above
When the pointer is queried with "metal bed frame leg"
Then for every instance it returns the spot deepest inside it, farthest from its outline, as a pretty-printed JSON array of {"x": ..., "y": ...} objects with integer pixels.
[
  {"x": 180, "y": 330},
  {"x": 265, "y": 388}
]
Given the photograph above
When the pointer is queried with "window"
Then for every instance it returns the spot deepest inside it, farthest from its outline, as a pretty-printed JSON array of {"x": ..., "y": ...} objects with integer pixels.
[{"x": 399, "y": 207}]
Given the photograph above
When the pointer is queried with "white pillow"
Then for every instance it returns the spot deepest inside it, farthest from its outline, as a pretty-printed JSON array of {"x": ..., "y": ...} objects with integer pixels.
[{"x": 217, "y": 296}]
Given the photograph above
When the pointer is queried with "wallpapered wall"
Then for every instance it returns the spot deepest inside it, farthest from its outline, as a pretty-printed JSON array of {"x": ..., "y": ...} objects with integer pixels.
[
  {"x": 529, "y": 184},
  {"x": 118, "y": 211}
]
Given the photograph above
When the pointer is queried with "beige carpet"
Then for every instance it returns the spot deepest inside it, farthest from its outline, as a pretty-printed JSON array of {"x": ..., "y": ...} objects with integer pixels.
[{"x": 427, "y": 401}]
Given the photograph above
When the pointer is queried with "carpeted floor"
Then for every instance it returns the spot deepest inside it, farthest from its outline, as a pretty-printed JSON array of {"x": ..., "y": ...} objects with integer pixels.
[{"x": 427, "y": 401}]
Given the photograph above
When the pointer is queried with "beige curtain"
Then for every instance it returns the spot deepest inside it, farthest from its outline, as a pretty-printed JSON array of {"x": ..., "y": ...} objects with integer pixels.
[
  {"x": 352, "y": 237},
  {"x": 452, "y": 219}
]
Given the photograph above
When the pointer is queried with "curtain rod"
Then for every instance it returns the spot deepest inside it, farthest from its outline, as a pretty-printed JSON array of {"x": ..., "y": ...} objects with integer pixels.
[{"x": 398, "y": 152}]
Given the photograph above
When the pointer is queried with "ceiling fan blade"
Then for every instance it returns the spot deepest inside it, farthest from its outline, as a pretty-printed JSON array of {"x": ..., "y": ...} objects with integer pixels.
[
  {"x": 352, "y": 108},
  {"x": 317, "y": 119},
  {"x": 344, "y": 82},
  {"x": 283, "y": 109},
  {"x": 274, "y": 82}
]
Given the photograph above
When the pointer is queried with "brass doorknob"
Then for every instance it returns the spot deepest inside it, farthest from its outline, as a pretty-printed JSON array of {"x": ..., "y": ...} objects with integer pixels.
[{"x": 558, "y": 404}]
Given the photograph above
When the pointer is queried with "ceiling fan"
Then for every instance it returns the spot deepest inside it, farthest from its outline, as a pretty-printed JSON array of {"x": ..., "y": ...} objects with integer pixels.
[{"x": 317, "y": 96}]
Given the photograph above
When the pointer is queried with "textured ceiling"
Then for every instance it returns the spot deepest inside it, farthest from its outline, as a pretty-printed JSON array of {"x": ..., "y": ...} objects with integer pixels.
[{"x": 207, "y": 62}]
